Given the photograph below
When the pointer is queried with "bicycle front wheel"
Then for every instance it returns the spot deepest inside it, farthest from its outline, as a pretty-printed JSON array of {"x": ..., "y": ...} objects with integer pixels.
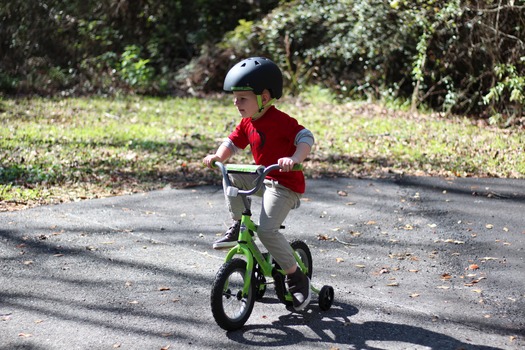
[{"x": 230, "y": 308}]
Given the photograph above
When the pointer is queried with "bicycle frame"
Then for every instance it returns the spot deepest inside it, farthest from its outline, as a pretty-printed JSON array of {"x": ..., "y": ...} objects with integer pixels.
[{"x": 246, "y": 245}]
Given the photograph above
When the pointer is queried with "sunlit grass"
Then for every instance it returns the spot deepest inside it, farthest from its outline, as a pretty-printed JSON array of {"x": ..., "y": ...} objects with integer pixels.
[{"x": 66, "y": 149}]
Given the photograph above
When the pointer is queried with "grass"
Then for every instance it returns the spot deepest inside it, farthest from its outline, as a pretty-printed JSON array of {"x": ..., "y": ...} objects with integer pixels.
[{"x": 55, "y": 150}]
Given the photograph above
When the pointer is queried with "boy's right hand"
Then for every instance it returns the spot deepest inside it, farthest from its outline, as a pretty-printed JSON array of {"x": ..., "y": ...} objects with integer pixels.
[{"x": 210, "y": 160}]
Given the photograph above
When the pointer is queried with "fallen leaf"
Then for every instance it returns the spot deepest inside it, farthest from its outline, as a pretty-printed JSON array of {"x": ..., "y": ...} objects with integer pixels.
[
  {"x": 323, "y": 237},
  {"x": 432, "y": 225},
  {"x": 360, "y": 266},
  {"x": 350, "y": 203},
  {"x": 339, "y": 260},
  {"x": 413, "y": 270},
  {"x": 342, "y": 193},
  {"x": 371, "y": 222},
  {"x": 393, "y": 284},
  {"x": 443, "y": 287},
  {"x": 162, "y": 289},
  {"x": 489, "y": 226},
  {"x": 478, "y": 280},
  {"x": 473, "y": 267},
  {"x": 479, "y": 291},
  {"x": 446, "y": 276},
  {"x": 25, "y": 335},
  {"x": 414, "y": 295}
]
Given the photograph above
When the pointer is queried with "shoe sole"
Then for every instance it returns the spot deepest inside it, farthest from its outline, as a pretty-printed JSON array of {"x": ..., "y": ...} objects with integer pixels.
[
  {"x": 220, "y": 246},
  {"x": 307, "y": 301}
]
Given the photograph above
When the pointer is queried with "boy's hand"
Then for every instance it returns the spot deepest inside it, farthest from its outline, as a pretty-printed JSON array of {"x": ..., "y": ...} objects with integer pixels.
[
  {"x": 286, "y": 164},
  {"x": 210, "y": 160}
]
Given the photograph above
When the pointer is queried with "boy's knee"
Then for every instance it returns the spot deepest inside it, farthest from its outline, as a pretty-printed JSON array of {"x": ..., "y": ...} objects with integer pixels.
[{"x": 267, "y": 232}]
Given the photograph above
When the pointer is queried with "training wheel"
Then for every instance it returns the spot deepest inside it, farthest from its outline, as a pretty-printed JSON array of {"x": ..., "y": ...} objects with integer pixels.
[{"x": 326, "y": 297}]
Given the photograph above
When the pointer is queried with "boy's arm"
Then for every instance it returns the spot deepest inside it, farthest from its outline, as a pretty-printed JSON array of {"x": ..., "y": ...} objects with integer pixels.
[
  {"x": 304, "y": 142},
  {"x": 300, "y": 154},
  {"x": 222, "y": 154}
]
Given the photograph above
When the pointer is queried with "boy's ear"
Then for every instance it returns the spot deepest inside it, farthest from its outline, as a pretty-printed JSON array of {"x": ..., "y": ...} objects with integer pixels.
[{"x": 266, "y": 96}]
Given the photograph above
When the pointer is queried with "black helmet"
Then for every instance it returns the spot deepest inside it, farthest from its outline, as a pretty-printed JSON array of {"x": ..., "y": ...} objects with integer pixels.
[{"x": 255, "y": 74}]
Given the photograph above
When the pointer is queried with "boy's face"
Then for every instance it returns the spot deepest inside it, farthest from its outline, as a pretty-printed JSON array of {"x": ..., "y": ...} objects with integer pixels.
[{"x": 246, "y": 103}]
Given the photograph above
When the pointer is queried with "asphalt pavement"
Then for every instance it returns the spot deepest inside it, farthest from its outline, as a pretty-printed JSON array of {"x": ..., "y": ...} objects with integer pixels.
[{"x": 415, "y": 262}]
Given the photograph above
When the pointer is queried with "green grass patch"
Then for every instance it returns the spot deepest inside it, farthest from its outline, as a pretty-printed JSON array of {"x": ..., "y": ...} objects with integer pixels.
[{"x": 54, "y": 150}]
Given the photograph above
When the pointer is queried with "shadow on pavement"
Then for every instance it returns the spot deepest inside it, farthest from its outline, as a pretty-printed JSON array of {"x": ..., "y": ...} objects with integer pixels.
[{"x": 335, "y": 327}]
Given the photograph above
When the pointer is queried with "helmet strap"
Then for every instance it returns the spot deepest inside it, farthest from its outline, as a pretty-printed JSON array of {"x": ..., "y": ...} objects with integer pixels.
[
  {"x": 260, "y": 103},
  {"x": 261, "y": 106}
]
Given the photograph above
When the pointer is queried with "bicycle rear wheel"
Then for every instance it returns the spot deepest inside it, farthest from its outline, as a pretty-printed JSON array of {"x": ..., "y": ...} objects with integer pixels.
[
  {"x": 301, "y": 248},
  {"x": 230, "y": 308}
]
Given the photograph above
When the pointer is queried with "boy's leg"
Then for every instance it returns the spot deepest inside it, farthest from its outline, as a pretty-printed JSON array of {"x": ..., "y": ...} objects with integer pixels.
[
  {"x": 277, "y": 203},
  {"x": 236, "y": 207}
]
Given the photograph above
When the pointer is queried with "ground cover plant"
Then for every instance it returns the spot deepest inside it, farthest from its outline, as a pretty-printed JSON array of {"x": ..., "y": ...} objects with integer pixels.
[{"x": 56, "y": 150}]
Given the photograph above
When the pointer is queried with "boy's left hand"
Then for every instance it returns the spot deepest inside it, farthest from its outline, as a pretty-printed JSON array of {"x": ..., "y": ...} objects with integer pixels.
[{"x": 286, "y": 163}]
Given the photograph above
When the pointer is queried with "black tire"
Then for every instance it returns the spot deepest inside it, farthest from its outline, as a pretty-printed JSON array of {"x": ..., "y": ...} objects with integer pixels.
[
  {"x": 229, "y": 307},
  {"x": 259, "y": 281},
  {"x": 301, "y": 248},
  {"x": 326, "y": 298}
]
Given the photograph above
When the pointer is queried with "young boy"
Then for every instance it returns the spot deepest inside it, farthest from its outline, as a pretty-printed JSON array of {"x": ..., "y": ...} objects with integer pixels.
[{"x": 274, "y": 138}]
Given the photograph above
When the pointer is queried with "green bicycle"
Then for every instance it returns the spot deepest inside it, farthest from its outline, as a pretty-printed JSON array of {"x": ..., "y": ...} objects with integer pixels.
[{"x": 240, "y": 282}]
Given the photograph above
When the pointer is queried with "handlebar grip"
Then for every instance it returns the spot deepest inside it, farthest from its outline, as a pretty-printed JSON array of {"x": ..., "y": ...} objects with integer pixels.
[{"x": 297, "y": 167}]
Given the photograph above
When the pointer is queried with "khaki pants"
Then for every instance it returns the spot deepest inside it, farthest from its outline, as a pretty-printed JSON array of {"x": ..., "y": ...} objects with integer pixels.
[{"x": 277, "y": 201}]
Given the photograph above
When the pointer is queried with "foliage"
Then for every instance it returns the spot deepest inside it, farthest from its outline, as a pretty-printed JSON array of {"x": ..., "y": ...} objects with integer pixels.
[
  {"x": 54, "y": 150},
  {"x": 87, "y": 42},
  {"x": 455, "y": 56},
  {"x": 133, "y": 69},
  {"x": 438, "y": 55}
]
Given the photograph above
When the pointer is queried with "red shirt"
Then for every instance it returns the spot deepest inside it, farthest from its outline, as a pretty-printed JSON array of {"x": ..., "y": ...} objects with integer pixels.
[{"x": 271, "y": 137}]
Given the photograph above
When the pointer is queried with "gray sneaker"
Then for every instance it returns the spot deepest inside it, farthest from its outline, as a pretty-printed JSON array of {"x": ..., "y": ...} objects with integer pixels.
[
  {"x": 299, "y": 286},
  {"x": 230, "y": 238}
]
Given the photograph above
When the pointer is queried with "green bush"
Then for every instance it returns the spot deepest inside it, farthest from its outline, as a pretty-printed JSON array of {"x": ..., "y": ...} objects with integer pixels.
[{"x": 446, "y": 55}]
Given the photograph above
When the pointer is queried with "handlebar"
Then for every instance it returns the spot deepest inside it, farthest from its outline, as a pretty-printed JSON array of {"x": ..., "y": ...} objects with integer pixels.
[{"x": 260, "y": 170}]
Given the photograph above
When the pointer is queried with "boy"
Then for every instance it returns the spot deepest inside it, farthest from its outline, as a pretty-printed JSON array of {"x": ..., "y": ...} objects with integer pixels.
[{"x": 274, "y": 138}]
